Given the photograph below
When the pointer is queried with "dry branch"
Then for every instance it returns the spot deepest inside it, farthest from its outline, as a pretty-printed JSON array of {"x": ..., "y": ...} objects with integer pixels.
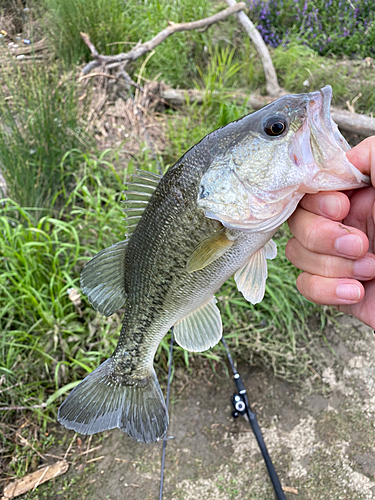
[
  {"x": 32, "y": 481},
  {"x": 272, "y": 85},
  {"x": 143, "y": 48},
  {"x": 29, "y": 49},
  {"x": 24, "y": 53},
  {"x": 350, "y": 122}
]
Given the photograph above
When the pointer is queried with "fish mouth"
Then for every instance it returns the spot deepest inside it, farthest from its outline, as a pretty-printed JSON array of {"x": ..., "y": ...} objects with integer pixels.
[
  {"x": 328, "y": 147},
  {"x": 320, "y": 117}
]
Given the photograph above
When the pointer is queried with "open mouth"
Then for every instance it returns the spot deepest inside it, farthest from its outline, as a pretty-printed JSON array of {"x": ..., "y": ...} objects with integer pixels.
[
  {"x": 329, "y": 147},
  {"x": 320, "y": 118}
]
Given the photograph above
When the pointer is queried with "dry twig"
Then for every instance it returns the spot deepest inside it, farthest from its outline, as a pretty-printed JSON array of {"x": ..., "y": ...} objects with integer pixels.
[
  {"x": 272, "y": 85},
  {"x": 8, "y": 408},
  {"x": 95, "y": 459},
  {"x": 32, "y": 481},
  {"x": 143, "y": 48},
  {"x": 350, "y": 122}
]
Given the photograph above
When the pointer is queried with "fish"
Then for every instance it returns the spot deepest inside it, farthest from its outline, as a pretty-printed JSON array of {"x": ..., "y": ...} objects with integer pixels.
[{"x": 212, "y": 215}]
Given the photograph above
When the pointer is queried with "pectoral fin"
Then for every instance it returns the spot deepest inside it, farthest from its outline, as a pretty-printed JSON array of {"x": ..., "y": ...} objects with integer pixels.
[
  {"x": 102, "y": 279},
  {"x": 200, "y": 330},
  {"x": 208, "y": 251},
  {"x": 270, "y": 249},
  {"x": 251, "y": 278}
]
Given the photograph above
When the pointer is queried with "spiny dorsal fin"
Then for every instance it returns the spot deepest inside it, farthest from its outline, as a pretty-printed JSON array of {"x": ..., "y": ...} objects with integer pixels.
[
  {"x": 139, "y": 192},
  {"x": 208, "y": 251},
  {"x": 201, "y": 329},
  {"x": 251, "y": 278},
  {"x": 102, "y": 279}
]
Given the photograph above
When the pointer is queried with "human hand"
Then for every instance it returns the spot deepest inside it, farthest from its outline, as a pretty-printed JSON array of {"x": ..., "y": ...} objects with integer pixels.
[{"x": 334, "y": 243}]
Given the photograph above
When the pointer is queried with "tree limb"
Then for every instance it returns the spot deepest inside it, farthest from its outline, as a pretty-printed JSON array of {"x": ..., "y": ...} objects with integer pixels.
[
  {"x": 272, "y": 85},
  {"x": 350, "y": 122},
  {"x": 143, "y": 48}
]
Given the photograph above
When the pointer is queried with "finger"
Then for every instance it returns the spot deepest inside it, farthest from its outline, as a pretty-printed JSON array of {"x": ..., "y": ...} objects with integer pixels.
[
  {"x": 365, "y": 309},
  {"x": 324, "y": 236},
  {"x": 362, "y": 211},
  {"x": 334, "y": 205},
  {"x": 328, "y": 265},
  {"x": 330, "y": 291},
  {"x": 362, "y": 156}
]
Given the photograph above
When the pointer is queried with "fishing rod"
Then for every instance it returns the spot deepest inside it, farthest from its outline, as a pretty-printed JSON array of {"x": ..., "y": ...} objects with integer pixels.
[{"x": 241, "y": 406}]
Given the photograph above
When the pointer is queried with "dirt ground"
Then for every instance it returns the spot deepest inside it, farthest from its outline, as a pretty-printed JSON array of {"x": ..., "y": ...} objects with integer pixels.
[{"x": 320, "y": 435}]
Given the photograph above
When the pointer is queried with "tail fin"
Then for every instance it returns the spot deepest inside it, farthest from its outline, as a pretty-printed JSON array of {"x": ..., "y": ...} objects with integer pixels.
[{"x": 100, "y": 403}]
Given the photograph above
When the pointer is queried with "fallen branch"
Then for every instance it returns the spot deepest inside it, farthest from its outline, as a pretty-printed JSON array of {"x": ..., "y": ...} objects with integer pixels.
[
  {"x": 355, "y": 123},
  {"x": 9, "y": 408},
  {"x": 29, "y": 49},
  {"x": 143, "y": 48},
  {"x": 272, "y": 85},
  {"x": 32, "y": 481}
]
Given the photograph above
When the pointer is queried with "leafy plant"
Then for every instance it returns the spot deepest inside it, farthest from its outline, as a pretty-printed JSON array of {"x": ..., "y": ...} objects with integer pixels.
[
  {"x": 327, "y": 26},
  {"x": 129, "y": 22},
  {"x": 40, "y": 123},
  {"x": 47, "y": 337}
]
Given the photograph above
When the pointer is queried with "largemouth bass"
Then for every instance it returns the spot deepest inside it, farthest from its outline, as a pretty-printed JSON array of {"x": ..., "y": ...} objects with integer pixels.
[{"x": 212, "y": 215}]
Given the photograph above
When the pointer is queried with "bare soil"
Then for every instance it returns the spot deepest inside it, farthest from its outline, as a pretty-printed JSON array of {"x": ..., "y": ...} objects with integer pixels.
[{"x": 320, "y": 434}]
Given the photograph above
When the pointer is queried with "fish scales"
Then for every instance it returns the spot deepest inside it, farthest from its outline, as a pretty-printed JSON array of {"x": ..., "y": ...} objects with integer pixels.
[
  {"x": 212, "y": 215},
  {"x": 171, "y": 228}
]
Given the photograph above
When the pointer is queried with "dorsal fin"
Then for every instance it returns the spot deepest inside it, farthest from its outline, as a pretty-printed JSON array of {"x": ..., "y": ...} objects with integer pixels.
[{"x": 139, "y": 192}]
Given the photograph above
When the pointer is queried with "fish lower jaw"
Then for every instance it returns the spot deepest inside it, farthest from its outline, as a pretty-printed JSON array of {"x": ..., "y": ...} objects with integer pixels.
[{"x": 303, "y": 189}]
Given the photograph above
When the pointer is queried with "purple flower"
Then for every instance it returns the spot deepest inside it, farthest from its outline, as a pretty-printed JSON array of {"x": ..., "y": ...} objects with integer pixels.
[{"x": 324, "y": 25}]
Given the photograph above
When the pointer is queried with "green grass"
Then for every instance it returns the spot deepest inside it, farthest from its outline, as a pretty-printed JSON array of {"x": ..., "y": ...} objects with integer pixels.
[
  {"x": 40, "y": 121},
  {"x": 300, "y": 69},
  {"x": 64, "y": 200},
  {"x": 129, "y": 22}
]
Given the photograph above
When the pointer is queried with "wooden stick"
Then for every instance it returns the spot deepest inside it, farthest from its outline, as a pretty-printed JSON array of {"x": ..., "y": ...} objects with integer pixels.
[
  {"x": 356, "y": 123},
  {"x": 142, "y": 48},
  {"x": 272, "y": 85},
  {"x": 8, "y": 408},
  {"x": 33, "y": 480}
]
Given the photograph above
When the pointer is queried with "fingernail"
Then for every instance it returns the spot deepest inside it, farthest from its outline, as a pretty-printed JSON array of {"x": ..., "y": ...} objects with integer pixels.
[
  {"x": 349, "y": 245},
  {"x": 364, "y": 268},
  {"x": 348, "y": 292},
  {"x": 330, "y": 206}
]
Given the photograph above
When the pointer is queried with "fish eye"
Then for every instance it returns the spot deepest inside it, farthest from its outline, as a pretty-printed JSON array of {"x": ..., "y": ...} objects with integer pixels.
[{"x": 275, "y": 125}]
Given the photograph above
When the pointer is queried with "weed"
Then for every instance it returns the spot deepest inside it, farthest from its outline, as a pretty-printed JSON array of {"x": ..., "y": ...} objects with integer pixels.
[
  {"x": 40, "y": 122},
  {"x": 327, "y": 26},
  {"x": 45, "y": 336},
  {"x": 129, "y": 22},
  {"x": 48, "y": 343}
]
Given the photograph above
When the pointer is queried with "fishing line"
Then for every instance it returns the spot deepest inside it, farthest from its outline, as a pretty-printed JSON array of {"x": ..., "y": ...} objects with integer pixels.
[
  {"x": 167, "y": 403},
  {"x": 241, "y": 406}
]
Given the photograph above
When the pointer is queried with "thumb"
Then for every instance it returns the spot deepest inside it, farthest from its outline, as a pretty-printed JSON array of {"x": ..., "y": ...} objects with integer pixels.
[{"x": 362, "y": 156}]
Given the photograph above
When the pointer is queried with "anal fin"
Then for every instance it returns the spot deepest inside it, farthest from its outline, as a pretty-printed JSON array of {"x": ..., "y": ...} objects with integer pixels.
[{"x": 201, "y": 329}]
